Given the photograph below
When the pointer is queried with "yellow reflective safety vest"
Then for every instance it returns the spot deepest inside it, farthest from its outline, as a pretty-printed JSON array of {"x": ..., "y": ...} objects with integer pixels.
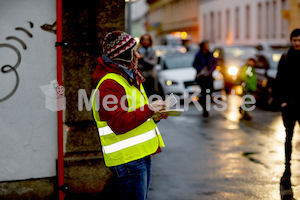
[{"x": 134, "y": 144}]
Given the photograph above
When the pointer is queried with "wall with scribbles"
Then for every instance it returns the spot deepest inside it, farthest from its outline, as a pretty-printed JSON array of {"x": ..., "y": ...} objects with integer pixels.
[{"x": 28, "y": 131}]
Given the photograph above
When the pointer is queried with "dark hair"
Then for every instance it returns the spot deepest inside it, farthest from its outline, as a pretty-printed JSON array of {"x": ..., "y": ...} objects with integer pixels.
[
  {"x": 295, "y": 33},
  {"x": 252, "y": 59},
  {"x": 142, "y": 38},
  {"x": 202, "y": 43}
]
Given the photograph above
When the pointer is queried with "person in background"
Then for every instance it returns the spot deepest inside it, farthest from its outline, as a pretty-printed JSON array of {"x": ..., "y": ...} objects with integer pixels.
[
  {"x": 288, "y": 83},
  {"x": 249, "y": 81},
  {"x": 147, "y": 62},
  {"x": 205, "y": 64},
  {"x": 126, "y": 126}
]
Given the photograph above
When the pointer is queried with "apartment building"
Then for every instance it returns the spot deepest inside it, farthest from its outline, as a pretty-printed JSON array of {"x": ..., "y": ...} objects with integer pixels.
[
  {"x": 169, "y": 16},
  {"x": 244, "y": 21},
  {"x": 225, "y": 21}
]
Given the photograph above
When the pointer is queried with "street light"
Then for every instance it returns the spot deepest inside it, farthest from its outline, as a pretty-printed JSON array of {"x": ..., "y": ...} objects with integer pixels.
[{"x": 129, "y": 2}]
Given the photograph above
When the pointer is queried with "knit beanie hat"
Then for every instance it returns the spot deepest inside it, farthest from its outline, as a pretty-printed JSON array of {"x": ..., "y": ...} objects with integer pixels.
[{"x": 118, "y": 45}]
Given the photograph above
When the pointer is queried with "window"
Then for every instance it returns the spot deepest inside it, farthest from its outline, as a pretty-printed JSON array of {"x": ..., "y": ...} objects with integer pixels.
[
  {"x": 247, "y": 22},
  {"x": 212, "y": 27},
  {"x": 284, "y": 22},
  {"x": 237, "y": 23},
  {"x": 219, "y": 25},
  {"x": 228, "y": 34},
  {"x": 204, "y": 28},
  {"x": 267, "y": 19},
  {"x": 274, "y": 18},
  {"x": 259, "y": 19}
]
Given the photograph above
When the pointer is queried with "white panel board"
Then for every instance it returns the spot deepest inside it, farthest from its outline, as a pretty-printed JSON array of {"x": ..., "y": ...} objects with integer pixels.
[{"x": 28, "y": 133}]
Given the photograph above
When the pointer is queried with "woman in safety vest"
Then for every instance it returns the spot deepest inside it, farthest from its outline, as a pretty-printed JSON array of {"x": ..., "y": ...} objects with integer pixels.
[{"x": 124, "y": 118}]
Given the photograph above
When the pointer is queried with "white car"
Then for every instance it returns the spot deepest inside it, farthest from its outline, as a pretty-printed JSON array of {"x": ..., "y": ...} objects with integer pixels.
[{"x": 175, "y": 74}]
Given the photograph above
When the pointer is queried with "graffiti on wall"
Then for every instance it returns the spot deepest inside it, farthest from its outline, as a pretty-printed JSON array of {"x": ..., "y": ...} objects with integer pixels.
[{"x": 5, "y": 69}]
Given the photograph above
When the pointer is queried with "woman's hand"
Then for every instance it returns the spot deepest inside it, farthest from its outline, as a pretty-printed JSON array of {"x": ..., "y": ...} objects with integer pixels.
[
  {"x": 157, "y": 106},
  {"x": 157, "y": 117}
]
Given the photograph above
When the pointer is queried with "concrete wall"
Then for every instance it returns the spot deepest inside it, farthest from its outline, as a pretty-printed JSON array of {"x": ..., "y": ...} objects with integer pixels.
[
  {"x": 85, "y": 24},
  {"x": 28, "y": 144}
]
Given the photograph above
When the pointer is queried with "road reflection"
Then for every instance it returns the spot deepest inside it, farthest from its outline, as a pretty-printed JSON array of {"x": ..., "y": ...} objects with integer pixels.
[
  {"x": 234, "y": 102},
  {"x": 277, "y": 130}
]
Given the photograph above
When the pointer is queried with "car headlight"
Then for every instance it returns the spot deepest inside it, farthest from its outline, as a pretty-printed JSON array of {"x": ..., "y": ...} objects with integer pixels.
[
  {"x": 233, "y": 70},
  {"x": 169, "y": 83}
]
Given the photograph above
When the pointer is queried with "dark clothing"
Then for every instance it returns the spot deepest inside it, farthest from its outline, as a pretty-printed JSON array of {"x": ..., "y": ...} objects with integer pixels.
[
  {"x": 203, "y": 60},
  {"x": 290, "y": 114},
  {"x": 206, "y": 85},
  {"x": 288, "y": 83},
  {"x": 205, "y": 64},
  {"x": 146, "y": 65}
]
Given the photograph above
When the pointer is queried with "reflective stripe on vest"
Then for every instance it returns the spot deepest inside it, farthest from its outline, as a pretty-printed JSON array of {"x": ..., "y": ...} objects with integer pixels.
[
  {"x": 129, "y": 142},
  {"x": 107, "y": 130}
]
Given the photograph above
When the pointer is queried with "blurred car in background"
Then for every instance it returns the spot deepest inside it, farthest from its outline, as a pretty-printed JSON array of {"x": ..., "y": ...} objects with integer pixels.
[
  {"x": 266, "y": 71},
  {"x": 161, "y": 50},
  {"x": 175, "y": 74},
  {"x": 267, "y": 46},
  {"x": 230, "y": 60}
]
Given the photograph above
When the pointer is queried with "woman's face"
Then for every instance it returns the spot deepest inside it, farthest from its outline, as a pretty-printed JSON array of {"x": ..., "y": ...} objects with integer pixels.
[
  {"x": 136, "y": 56},
  {"x": 146, "y": 41}
]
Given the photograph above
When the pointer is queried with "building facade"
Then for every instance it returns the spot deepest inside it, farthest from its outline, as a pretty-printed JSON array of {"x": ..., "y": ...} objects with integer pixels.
[
  {"x": 138, "y": 21},
  {"x": 170, "y": 16},
  {"x": 225, "y": 22},
  {"x": 245, "y": 22},
  {"x": 294, "y": 14}
]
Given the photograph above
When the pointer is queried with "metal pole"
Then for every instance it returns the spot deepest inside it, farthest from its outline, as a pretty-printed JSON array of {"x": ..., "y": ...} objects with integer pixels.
[
  {"x": 129, "y": 17},
  {"x": 60, "y": 146}
]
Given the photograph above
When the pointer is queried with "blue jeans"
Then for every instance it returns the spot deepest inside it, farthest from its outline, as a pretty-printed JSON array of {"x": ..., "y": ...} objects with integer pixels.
[{"x": 133, "y": 179}]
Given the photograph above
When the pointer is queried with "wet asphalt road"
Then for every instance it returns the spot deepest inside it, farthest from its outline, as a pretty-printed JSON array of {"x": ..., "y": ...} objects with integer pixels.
[{"x": 223, "y": 157}]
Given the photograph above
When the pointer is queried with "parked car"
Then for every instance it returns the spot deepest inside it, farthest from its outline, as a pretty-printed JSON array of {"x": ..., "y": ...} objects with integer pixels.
[
  {"x": 230, "y": 60},
  {"x": 161, "y": 50},
  {"x": 266, "y": 46},
  {"x": 175, "y": 74},
  {"x": 266, "y": 71}
]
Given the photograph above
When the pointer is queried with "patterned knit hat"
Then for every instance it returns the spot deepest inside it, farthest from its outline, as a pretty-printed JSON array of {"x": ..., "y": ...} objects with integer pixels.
[{"x": 118, "y": 45}]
